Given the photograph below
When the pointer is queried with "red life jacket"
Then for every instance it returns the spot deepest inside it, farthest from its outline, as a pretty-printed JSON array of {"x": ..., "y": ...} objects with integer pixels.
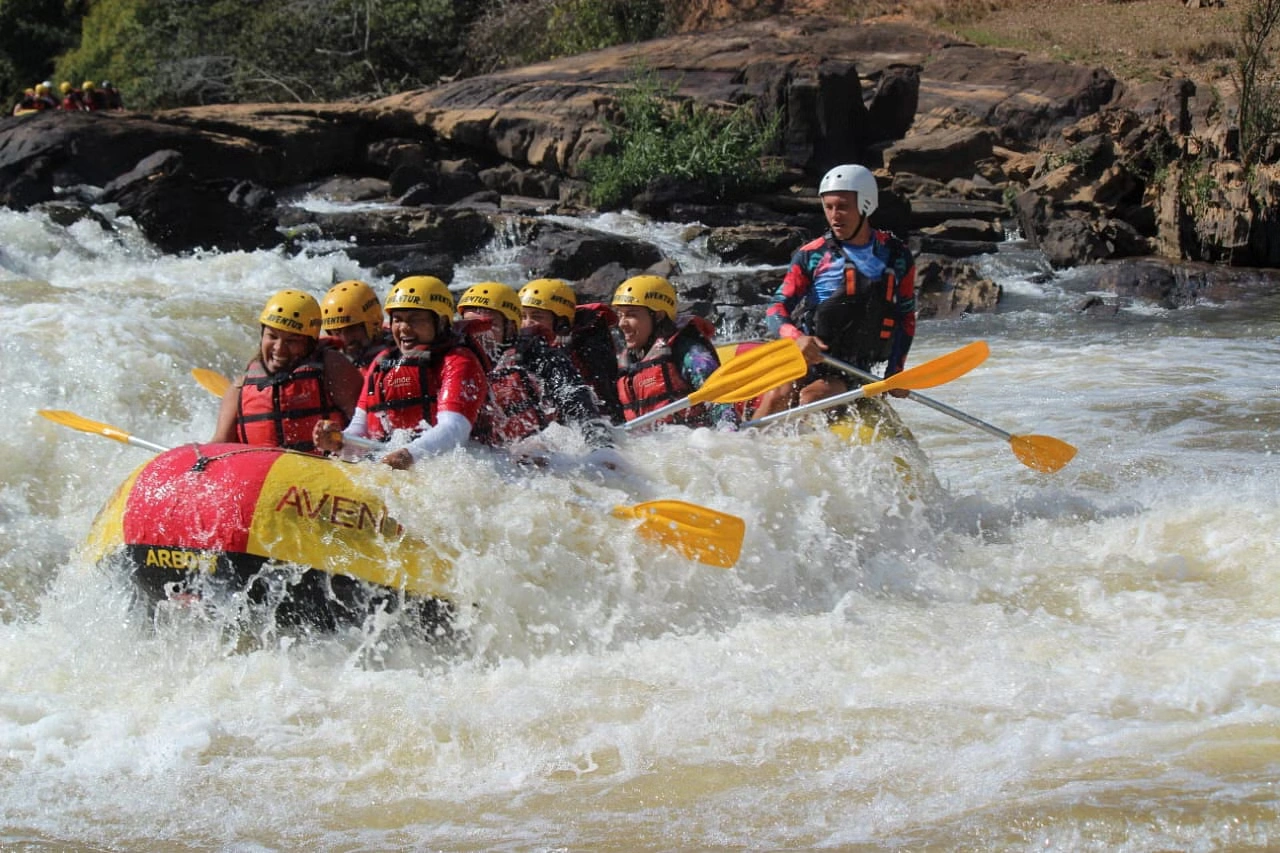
[
  {"x": 282, "y": 409},
  {"x": 402, "y": 390},
  {"x": 656, "y": 380},
  {"x": 590, "y": 345},
  {"x": 518, "y": 406}
]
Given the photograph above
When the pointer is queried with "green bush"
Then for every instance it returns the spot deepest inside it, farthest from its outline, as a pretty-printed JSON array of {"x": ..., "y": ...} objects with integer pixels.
[{"x": 655, "y": 135}]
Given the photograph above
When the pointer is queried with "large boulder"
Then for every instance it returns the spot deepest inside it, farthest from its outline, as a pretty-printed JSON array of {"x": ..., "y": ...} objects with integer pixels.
[
  {"x": 180, "y": 211},
  {"x": 1170, "y": 284},
  {"x": 558, "y": 251}
]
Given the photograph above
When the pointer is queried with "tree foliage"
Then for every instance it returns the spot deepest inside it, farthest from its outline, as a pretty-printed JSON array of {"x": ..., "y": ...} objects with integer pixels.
[
  {"x": 1256, "y": 77},
  {"x": 32, "y": 33},
  {"x": 166, "y": 53},
  {"x": 512, "y": 33}
]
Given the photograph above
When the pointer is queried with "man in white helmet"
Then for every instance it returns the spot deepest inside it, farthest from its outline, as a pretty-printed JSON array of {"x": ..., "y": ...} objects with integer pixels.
[{"x": 849, "y": 294}]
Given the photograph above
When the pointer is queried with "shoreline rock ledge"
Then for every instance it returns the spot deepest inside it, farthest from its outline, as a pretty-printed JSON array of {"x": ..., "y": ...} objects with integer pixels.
[{"x": 969, "y": 144}]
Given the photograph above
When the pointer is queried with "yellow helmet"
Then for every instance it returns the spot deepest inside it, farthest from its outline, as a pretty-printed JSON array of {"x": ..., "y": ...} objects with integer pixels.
[
  {"x": 424, "y": 292},
  {"x": 292, "y": 311},
  {"x": 350, "y": 302},
  {"x": 649, "y": 291},
  {"x": 87, "y": 85},
  {"x": 550, "y": 294},
  {"x": 42, "y": 89},
  {"x": 493, "y": 295},
  {"x": 64, "y": 87}
]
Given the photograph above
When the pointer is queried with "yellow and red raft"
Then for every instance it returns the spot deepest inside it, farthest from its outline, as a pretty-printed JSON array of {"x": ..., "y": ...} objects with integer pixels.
[{"x": 278, "y": 527}]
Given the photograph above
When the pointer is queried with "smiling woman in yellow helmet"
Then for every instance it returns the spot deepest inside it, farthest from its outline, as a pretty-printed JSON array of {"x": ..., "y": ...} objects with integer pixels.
[
  {"x": 428, "y": 390},
  {"x": 665, "y": 358},
  {"x": 291, "y": 384}
]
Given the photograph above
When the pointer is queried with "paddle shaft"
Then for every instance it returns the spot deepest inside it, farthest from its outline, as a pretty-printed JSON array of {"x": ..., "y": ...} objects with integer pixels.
[
  {"x": 921, "y": 398},
  {"x": 815, "y": 406},
  {"x": 743, "y": 378},
  {"x": 660, "y": 412},
  {"x": 936, "y": 371}
]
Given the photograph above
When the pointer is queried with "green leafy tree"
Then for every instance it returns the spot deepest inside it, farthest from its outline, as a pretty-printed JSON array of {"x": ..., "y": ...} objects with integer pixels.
[
  {"x": 32, "y": 33},
  {"x": 113, "y": 46},
  {"x": 166, "y": 53},
  {"x": 1255, "y": 76}
]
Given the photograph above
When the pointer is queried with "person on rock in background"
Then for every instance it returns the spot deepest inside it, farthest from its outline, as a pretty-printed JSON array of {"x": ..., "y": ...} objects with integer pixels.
[
  {"x": 44, "y": 97},
  {"x": 292, "y": 384},
  {"x": 532, "y": 384},
  {"x": 26, "y": 103},
  {"x": 432, "y": 385},
  {"x": 849, "y": 294},
  {"x": 665, "y": 357},
  {"x": 584, "y": 330},
  {"x": 72, "y": 98},
  {"x": 351, "y": 318},
  {"x": 114, "y": 100},
  {"x": 94, "y": 99}
]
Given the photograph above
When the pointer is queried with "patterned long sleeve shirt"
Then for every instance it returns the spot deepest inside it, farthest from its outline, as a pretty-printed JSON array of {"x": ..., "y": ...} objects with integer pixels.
[{"x": 817, "y": 272}]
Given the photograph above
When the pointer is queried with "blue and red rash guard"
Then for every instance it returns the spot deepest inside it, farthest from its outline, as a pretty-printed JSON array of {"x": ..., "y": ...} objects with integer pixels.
[{"x": 870, "y": 289}]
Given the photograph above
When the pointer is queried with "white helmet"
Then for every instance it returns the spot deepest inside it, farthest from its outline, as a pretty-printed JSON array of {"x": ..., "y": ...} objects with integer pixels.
[{"x": 854, "y": 179}]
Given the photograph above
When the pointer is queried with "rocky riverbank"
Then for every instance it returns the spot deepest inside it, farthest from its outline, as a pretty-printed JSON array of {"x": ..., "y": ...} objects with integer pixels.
[{"x": 969, "y": 143}]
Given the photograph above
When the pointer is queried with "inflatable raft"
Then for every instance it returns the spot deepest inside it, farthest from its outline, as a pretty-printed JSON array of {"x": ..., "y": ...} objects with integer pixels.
[
  {"x": 266, "y": 526},
  {"x": 864, "y": 421}
]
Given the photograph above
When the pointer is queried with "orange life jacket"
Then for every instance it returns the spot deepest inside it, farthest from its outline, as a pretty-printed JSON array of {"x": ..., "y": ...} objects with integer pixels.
[{"x": 656, "y": 380}]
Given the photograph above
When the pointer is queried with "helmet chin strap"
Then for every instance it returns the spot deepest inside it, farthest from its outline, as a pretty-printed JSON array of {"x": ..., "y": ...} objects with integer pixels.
[{"x": 862, "y": 218}]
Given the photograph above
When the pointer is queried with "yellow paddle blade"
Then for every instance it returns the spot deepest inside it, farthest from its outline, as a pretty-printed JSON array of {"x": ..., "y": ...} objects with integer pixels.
[
  {"x": 83, "y": 424},
  {"x": 1042, "y": 453},
  {"x": 936, "y": 371},
  {"x": 752, "y": 373},
  {"x": 211, "y": 380},
  {"x": 698, "y": 532}
]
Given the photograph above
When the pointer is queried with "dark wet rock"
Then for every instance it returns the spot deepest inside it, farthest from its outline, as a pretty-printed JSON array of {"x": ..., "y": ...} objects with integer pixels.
[
  {"x": 925, "y": 244},
  {"x": 68, "y": 212},
  {"x": 400, "y": 260},
  {"x": 756, "y": 244},
  {"x": 558, "y": 251},
  {"x": 448, "y": 230},
  {"x": 1170, "y": 284},
  {"x": 181, "y": 212},
  {"x": 346, "y": 189},
  {"x": 931, "y": 212}
]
